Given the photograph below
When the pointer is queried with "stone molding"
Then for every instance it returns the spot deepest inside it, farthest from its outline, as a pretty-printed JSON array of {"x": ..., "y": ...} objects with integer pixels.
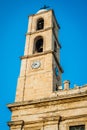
[
  {"x": 43, "y": 53},
  {"x": 35, "y": 55},
  {"x": 42, "y": 122},
  {"x": 50, "y": 101},
  {"x": 45, "y": 120},
  {"x": 39, "y": 31},
  {"x": 74, "y": 117},
  {"x": 19, "y": 123}
]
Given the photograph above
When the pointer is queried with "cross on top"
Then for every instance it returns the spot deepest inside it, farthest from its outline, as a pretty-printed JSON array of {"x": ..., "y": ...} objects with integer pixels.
[{"x": 44, "y": 7}]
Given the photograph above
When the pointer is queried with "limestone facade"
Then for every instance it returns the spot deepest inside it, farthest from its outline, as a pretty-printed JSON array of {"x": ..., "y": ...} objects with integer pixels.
[
  {"x": 64, "y": 109},
  {"x": 40, "y": 102}
]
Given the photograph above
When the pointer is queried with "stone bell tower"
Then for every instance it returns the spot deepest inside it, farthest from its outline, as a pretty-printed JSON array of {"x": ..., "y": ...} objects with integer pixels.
[{"x": 40, "y": 73}]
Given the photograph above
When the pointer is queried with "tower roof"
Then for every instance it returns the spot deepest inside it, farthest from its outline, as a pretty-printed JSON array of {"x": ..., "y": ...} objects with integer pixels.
[
  {"x": 41, "y": 10},
  {"x": 44, "y": 8}
]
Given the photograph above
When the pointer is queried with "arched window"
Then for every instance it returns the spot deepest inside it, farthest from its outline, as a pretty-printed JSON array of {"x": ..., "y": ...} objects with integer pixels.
[
  {"x": 40, "y": 24},
  {"x": 38, "y": 46}
]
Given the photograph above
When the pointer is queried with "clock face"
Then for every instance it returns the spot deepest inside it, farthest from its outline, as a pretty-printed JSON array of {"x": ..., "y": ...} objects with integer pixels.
[{"x": 36, "y": 64}]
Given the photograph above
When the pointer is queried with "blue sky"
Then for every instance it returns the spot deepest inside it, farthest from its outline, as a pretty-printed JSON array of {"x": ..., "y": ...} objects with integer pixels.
[{"x": 72, "y": 17}]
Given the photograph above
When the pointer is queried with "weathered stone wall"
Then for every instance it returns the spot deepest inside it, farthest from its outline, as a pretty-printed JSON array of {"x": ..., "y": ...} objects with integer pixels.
[{"x": 57, "y": 112}]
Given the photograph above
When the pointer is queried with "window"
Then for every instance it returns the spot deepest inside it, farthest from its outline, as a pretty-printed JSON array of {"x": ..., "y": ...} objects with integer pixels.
[
  {"x": 79, "y": 127},
  {"x": 38, "y": 46},
  {"x": 56, "y": 87},
  {"x": 40, "y": 24},
  {"x": 55, "y": 47}
]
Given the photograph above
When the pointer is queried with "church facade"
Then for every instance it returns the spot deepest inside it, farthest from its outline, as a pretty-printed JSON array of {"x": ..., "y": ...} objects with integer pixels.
[{"x": 40, "y": 102}]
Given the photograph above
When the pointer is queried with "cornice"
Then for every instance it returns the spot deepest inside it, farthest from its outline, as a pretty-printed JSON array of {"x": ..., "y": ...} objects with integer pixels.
[
  {"x": 35, "y": 55},
  {"x": 50, "y": 101},
  {"x": 39, "y": 31},
  {"x": 74, "y": 117},
  {"x": 44, "y": 120},
  {"x": 43, "y": 53},
  {"x": 16, "y": 123},
  {"x": 40, "y": 122}
]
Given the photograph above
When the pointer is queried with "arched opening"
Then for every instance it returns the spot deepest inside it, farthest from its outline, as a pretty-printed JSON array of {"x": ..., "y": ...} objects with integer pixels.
[
  {"x": 40, "y": 24},
  {"x": 55, "y": 47},
  {"x": 56, "y": 87},
  {"x": 38, "y": 46}
]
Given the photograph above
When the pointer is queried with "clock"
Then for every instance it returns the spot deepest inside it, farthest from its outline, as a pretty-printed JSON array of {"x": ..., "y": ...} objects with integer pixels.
[{"x": 35, "y": 64}]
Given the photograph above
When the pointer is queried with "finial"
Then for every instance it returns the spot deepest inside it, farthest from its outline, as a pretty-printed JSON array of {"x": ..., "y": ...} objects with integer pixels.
[{"x": 44, "y": 7}]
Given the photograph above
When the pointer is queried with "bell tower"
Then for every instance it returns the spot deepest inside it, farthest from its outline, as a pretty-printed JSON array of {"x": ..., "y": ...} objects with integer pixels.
[{"x": 40, "y": 73}]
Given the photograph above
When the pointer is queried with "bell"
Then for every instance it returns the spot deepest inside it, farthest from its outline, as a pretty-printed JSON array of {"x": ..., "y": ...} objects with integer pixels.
[{"x": 41, "y": 49}]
